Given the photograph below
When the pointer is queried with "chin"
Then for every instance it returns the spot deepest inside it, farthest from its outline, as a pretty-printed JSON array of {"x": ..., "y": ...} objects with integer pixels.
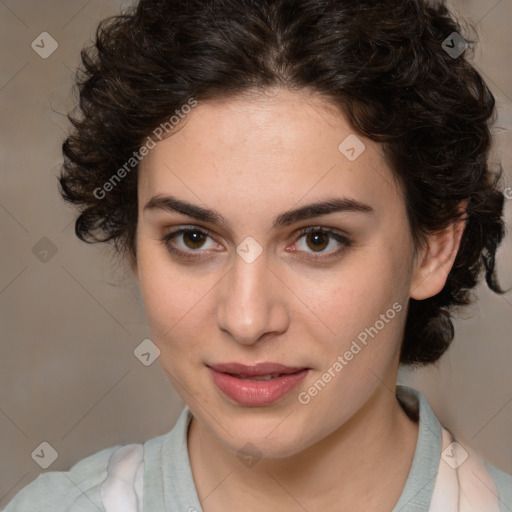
[
  {"x": 261, "y": 447},
  {"x": 268, "y": 436}
]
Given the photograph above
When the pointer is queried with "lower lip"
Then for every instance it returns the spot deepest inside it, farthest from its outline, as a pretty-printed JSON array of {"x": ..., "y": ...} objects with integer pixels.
[{"x": 256, "y": 392}]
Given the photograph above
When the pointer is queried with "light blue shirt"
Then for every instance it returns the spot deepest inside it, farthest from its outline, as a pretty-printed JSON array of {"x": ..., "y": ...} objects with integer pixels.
[{"x": 169, "y": 485}]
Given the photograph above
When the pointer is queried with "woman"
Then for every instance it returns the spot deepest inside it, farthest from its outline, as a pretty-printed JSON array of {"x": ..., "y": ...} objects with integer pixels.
[{"x": 303, "y": 194}]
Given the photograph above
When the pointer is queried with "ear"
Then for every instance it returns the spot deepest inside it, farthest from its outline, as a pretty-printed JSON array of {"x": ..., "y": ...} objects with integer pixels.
[{"x": 435, "y": 260}]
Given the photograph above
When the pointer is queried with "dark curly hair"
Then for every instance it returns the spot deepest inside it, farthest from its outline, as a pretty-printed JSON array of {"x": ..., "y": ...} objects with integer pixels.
[{"x": 383, "y": 63}]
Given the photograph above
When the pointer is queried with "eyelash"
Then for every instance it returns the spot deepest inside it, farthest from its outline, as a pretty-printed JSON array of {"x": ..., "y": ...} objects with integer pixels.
[{"x": 188, "y": 255}]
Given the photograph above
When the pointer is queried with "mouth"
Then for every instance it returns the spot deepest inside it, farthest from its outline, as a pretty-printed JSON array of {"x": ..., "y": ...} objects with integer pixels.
[
  {"x": 261, "y": 371},
  {"x": 258, "y": 385}
]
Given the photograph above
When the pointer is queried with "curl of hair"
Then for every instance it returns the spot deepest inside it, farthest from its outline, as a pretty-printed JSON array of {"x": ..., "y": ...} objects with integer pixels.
[{"x": 381, "y": 63}]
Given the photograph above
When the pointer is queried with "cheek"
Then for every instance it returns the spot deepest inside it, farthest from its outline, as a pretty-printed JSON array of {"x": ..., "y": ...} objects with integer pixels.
[
  {"x": 355, "y": 296},
  {"x": 173, "y": 296},
  {"x": 364, "y": 307},
  {"x": 336, "y": 306}
]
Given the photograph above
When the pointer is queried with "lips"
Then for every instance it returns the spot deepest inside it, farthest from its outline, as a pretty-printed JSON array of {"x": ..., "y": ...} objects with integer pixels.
[
  {"x": 256, "y": 372},
  {"x": 258, "y": 385}
]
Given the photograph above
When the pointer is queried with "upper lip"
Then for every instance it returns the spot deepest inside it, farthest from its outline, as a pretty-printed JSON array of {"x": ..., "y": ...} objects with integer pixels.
[{"x": 255, "y": 370}]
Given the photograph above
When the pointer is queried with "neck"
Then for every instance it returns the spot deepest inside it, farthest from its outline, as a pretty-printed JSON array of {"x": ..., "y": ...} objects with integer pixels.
[{"x": 345, "y": 468}]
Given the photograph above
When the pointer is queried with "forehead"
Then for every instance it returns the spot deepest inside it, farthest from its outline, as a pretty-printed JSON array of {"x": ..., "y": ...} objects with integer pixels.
[{"x": 268, "y": 149}]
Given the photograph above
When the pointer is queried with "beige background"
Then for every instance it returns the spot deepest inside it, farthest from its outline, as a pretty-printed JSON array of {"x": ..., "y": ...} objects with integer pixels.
[{"x": 69, "y": 326}]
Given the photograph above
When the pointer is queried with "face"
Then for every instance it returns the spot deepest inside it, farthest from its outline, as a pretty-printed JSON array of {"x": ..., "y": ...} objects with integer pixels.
[{"x": 247, "y": 286}]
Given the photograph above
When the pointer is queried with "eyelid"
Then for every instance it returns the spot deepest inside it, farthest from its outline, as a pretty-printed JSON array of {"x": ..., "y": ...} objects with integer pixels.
[
  {"x": 190, "y": 254},
  {"x": 174, "y": 233},
  {"x": 336, "y": 234}
]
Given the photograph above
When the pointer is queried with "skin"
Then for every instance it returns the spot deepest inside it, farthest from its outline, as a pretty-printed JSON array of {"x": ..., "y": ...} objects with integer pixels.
[{"x": 251, "y": 158}]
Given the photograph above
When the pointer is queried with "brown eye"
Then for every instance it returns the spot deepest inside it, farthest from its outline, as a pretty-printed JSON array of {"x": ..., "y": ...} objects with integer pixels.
[
  {"x": 192, "y": 243},
  {"x": 194, "y": 239},
  {"x": 319, "y": 241},
  {"x": 188, "y": 242}
]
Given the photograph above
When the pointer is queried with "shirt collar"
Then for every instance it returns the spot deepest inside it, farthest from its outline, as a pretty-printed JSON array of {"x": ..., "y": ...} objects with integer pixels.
[
  {"x": 419, "y": 486},
  {"x": 169, "y": 484}
]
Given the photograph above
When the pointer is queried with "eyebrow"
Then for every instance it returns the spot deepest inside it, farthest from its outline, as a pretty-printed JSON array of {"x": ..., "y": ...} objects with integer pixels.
[{"x": 331, "y": 205}]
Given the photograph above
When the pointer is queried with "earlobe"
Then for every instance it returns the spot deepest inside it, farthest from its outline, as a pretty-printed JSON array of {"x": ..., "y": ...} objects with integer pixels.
[{"x": 436, "y": 260}]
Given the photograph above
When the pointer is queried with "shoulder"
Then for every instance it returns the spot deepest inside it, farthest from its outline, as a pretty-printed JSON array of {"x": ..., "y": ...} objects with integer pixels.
[
  {"x": 76, "y": 490},
  {"x": 483, "y": 486},
  {"x": 109, "y": 480},
  {"x": 503, "y": 482}
]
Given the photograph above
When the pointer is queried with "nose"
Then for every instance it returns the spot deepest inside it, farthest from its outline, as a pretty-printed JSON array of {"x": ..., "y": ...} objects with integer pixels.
[{"x": 252, "y": 302}]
